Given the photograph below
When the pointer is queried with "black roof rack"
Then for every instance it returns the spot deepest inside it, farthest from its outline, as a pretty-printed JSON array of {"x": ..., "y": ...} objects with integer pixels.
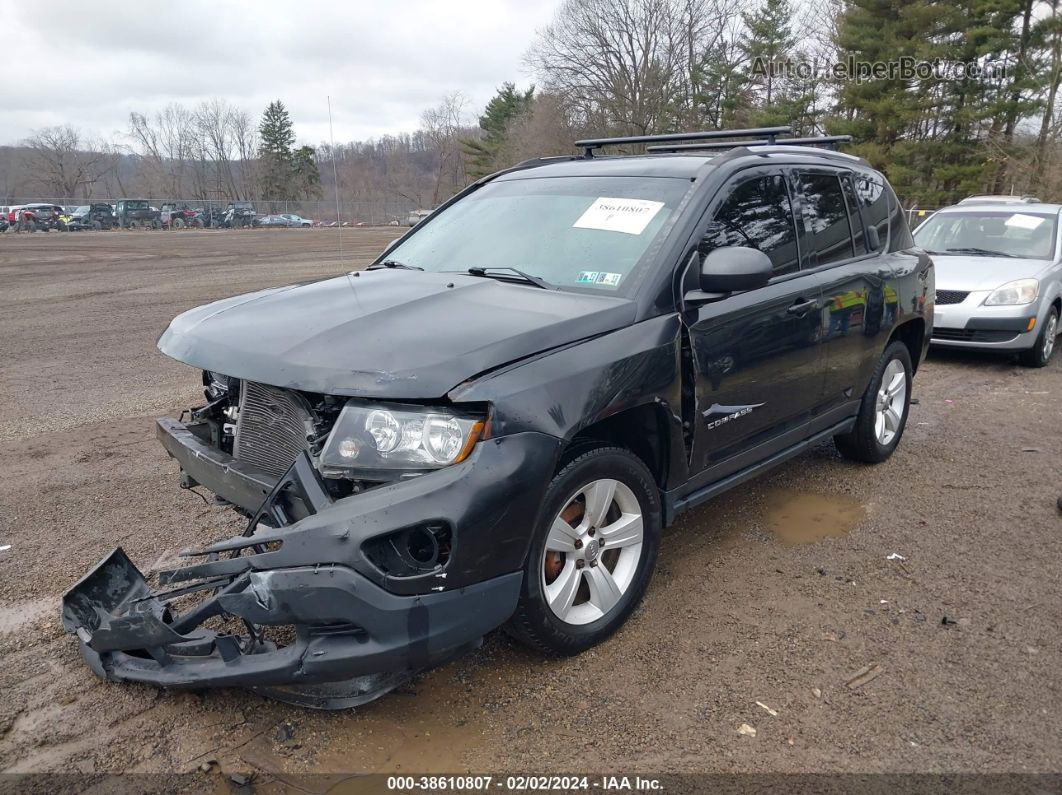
[
  {"x": 768, "y": 133},
  {"x": 828, "y": 141}
]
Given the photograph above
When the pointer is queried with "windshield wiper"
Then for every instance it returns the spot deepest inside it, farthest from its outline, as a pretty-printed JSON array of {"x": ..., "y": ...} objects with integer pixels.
[
  {"x": 983, "y": 252},
  {"x": 527, "y": 277},
  {"x": 393, "y": 263}
]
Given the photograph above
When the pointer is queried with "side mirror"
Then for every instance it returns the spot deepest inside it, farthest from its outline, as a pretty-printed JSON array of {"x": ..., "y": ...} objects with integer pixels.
[{"x": 732, "y": 269}]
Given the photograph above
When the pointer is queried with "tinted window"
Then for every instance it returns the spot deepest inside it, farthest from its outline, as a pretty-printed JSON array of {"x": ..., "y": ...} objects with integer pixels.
[
  {"x": 899, "y": 232},
  {"x": 853, "y": 215},
  {"x": 757, "y": 214},
  {"x": 874, "y": 201},
  {"x": 826, "y": 217}
]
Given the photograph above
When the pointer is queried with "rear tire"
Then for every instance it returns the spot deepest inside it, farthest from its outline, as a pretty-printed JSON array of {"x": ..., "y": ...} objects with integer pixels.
[
  {"x": 177, "y": 223},
  {"x": 97, "y": 226},
  {"x": 883, "y": 410},
  {"x": 577, "y": 591},
  {"x": 1040, "y": 353}
]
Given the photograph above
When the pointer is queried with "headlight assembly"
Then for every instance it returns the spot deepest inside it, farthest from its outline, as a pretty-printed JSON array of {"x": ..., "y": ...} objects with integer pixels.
[
  {"x": 1022, "y": 291},
  {"x": 380, "y": 438}
]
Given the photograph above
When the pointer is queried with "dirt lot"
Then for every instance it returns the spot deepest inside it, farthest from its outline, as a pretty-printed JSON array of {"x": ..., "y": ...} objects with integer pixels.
[{"x": 779, "y": 592}]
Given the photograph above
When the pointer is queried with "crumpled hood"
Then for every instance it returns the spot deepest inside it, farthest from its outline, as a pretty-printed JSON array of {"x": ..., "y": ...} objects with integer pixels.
[
  {"x": 982, "y": 273},
  {"x": 385, "y": 333}
]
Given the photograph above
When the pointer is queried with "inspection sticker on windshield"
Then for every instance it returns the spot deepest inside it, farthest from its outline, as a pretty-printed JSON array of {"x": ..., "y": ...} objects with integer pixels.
[
  {"x": 629, "y": 216},
  {"x": 599, "y": 277},
  {"x": 1023, "y": 221}
]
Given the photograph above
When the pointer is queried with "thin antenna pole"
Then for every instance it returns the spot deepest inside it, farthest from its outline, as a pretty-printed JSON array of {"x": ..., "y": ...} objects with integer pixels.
[{"x": 335, "y": 174}]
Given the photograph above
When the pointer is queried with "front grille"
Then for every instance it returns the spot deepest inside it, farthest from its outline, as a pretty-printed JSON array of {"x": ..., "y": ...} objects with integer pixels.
[
  {"x": 951, "y": 296},
  {"x": 971, "y": 335},
  {"x": 272, "y": 428}
]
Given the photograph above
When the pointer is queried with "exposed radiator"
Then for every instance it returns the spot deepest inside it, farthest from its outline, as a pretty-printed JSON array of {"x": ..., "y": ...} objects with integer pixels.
[{"x": 272, "y": 428}]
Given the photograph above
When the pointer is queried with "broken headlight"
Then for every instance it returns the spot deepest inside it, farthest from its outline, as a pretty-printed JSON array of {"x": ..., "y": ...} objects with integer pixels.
[{"x": 369, "y": 438}]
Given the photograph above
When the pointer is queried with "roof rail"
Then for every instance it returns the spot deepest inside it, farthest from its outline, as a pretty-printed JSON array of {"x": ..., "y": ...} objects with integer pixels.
[
  {"x": 828, "y": 141},
  {"x": 989, "y": 199},
  {"x": 588, "y": 145}
]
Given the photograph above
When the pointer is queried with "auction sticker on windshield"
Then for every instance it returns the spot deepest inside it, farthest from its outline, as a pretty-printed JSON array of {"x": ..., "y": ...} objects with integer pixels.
[
  {"x": 629, "y": 216},
  {"x": 1023, "y": 221},
  {"x": 599, "y": 277}
]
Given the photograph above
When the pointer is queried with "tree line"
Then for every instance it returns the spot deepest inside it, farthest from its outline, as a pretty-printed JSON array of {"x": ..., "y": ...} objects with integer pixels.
[{"x": 985, "y": 118}]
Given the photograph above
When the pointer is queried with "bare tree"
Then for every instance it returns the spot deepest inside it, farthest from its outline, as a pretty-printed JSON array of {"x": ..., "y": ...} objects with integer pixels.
[
  {"x": 444, "y": 126},
  {"x": 164, "y": 143},
  {"x": 622, "y": 64},
  {"x": 66, "y": 165}
]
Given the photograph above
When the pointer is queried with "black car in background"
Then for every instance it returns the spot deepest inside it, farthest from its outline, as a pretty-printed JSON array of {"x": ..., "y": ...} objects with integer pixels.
[
  {"x": 92, "y": 216},
  {"x": 493, "y": 423},
  {"x": 137, "y": 214}
]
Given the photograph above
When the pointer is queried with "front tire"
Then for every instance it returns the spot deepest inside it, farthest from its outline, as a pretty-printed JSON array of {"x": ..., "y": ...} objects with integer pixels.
[
  {"x": 592, "y": 554},
  {"x": 883, "y": 411},
  {"x": 1040, "y": 353}
]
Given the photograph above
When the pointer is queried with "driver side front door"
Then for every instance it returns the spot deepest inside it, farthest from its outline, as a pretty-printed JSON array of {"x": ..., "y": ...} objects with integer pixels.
[{"x": 757, "y": 354}]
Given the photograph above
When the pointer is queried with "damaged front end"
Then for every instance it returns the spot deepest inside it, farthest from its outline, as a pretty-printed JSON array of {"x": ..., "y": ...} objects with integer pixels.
[
  {"x": 336, "y": 592},
  {"x": 319, "y": 636}
]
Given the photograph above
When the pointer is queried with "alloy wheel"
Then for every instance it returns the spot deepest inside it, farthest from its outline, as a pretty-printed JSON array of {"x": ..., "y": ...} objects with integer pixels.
[
  {"x": 1049, "y": 336},
  {"x": 892, "y": 397},
  {"x": 592, "y": 552}
]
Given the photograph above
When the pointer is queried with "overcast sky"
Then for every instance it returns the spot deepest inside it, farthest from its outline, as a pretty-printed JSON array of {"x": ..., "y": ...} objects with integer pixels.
[{"x": 382, "y": 62}]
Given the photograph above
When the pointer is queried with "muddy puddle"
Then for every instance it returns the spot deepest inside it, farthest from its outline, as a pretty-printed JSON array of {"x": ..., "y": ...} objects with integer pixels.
[
  {"x": 800, "y": 518},
  {"x": 427, "y": 726}
]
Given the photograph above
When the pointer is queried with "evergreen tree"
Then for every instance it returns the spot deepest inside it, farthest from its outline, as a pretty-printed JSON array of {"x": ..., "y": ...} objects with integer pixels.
[
  {"x": 767, "y": 43},
  {"x": 503, "y": 109},
  {"x": 277, "y": 136},
  {"x": 306, "y": 178}
]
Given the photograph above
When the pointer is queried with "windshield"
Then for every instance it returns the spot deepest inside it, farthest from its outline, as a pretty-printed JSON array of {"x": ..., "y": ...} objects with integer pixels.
[
  {"x": 989, "y": 233},
  {"x": 573, "y": 232},
  {"x": 136, "y": 205}
]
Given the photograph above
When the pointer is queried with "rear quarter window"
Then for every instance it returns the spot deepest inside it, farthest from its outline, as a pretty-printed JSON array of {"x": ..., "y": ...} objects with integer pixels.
[
  {"x": 874, "y": 201},
  {"x": 899, "y": 232}
]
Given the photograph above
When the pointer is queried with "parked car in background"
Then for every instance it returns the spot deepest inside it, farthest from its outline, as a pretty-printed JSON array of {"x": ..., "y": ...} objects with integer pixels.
[
  {"x": 137, "y": 214},
  {"x": 239, "y": 214},
  {"x": 271, "y": 220},
  {"x": 999, "y": 275},
  {"x": 39, "y": 217},
  {"x": 90, "y": 216},
  {"x": 416, "y": 216},
  {"x": 4, "y": 210},
  {"x": 287, "y": 220},
  {"x": 175, "y": 216}
]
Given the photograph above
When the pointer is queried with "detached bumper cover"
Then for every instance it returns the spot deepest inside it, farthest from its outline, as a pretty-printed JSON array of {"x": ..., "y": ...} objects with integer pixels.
[
  {"x": 347, "y": 632},
  {"x": 293, "y": 607}
]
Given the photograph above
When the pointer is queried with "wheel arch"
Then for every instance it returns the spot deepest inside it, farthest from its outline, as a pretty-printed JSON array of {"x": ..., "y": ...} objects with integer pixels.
[
  {"x": 643, "y": 430},
  {"x": 911, "y": 333}
]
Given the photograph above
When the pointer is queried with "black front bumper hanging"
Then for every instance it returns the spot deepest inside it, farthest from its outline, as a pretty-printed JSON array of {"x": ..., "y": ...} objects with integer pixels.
[{"x": 319, "y": 635}]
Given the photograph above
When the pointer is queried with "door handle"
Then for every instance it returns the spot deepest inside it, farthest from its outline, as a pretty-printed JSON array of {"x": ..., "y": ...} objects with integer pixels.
[{"x": 802, "y": 307}]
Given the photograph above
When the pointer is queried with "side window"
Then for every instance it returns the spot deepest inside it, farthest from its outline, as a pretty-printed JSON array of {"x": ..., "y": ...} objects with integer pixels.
[
  {"x": 875, "y": 203},
  {"x": 899, "y": 232},
  {"x": 853, "y": 215},
  {"x": 757, "y": 214},
  {"x": 826, "y": 217}
]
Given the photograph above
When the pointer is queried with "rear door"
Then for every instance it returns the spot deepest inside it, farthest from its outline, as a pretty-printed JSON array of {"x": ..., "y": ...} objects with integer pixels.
[
  {"x": 757, "y": 355},
  {"x": 859, "y": 303}
]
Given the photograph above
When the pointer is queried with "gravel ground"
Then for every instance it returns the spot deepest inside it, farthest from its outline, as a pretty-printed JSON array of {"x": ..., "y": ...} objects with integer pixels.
[{"x": 766, "y": 604}]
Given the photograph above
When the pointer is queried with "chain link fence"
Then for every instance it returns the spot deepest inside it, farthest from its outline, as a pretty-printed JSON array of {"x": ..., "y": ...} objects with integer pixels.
[{"x": 371, "y": 212}]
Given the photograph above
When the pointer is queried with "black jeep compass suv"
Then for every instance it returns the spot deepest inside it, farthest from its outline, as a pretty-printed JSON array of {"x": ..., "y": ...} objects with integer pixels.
[{"x": 492, "y": 423}]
